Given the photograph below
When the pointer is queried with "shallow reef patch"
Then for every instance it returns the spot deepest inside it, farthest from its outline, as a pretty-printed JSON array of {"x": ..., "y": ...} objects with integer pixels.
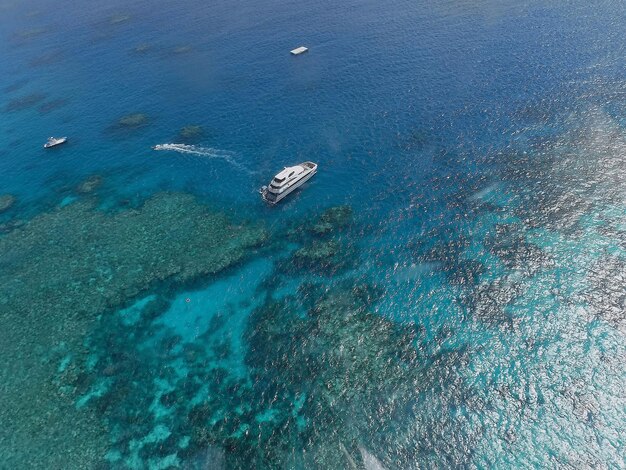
[
  {"x": 15, "y": 85},
  {"x": 510, "y": 245},
  {"x": 326, "y": 246},
  {"x": 28, "y": 34},
  {"x": 49, "y": 58},
  {"x": 130, "y": 122},
  {"x": 133, "y": 120},
  {"x": 89, "y": 185},
  {"x": 11, "y": 225},
  {"x": 488, "y": 301},
  {"x": 332, "y": 219},
  {"x": 321, "y": 367},
  {"x": 605, "y": 295},
  {"x": 6, "y": 202},
  {"x": 52, "y": 105},
  {"x": 59, "y": 272},
  {"x": 327, "y": 257},
  {"x": 25, "y": 102},
  {"x": 309, "y": 368},
  {"x": 190, "y": 134}
]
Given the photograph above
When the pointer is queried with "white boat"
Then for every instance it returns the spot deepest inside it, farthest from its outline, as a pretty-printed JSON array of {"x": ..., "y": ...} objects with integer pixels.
[
  {"x": 299, "y": 50},
  {"x": 54, "y": 141},
  {"x": 287, "y": 181}
]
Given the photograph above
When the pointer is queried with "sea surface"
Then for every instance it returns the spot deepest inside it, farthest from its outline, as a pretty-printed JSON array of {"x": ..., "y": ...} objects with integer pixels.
[{"x": 449, "y": 291}]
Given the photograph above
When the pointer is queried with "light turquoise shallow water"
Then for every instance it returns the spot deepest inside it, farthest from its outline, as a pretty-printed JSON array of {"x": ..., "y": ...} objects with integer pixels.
[{"x": 447, "y": 292}]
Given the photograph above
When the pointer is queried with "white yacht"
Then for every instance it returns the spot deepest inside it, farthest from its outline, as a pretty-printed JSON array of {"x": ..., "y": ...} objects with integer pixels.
[
  {"x": 287, "y": 181},
  {"x": 54, "y": 141}
]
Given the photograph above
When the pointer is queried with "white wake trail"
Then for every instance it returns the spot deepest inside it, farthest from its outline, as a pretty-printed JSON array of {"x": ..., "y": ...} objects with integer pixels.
[{"x": 208, "y": 152}]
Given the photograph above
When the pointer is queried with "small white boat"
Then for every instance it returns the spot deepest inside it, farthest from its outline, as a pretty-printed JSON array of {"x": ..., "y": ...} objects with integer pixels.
[
  {"x": 54, "y": 141},
  {"x": 299, "y": 50},
  {"x": 287, "y": 181}
]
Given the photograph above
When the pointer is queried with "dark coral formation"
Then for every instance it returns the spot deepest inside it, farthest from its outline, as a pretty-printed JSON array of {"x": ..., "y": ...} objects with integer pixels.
[
  {"x": 132, "y": 121},
  {"x": 129, "y": 368},
  {"x": 509, "y": 244},
  {"x": 321, "y": 368},
  {"x": 567, "y": 174},
  {"x": 6, "y": 202},
  {"x": 416, "y": 139},
  {"x": 190, "y": 134},
  {"x": 15, "y": 85},
  {"x": 11, "y": 225},
  {"x": 466, "y": 272},
  {"x": 30, "y": 33},
  {"x": 53, "y": 105},
  {"x": 309, "y": 369},
  {"x": 605, "y": 296},
  {"x": 335, "y": 357},
  {"x": 90, "y": 184},
  {"x": 132, "y": 250},
  {"x": 324, "y": 257},
  {"x": 332, "y": 219},
  {"x": 325, "y": 248},
  {"x": 321, "y": 373},
  {"x": 58, "y": 273},
  {"x": 446, "y": 255},
  {"x": 49, "y": 58},
  {"x": 25, "y": 102},
  {"x": 488, "y": 302}
]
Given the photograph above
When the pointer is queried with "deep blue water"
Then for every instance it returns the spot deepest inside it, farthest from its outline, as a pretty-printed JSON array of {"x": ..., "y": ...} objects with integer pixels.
[{"x": 481, "y": 147}]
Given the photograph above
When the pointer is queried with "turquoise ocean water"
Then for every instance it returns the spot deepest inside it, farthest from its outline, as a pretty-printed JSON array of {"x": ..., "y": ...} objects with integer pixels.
[{"x": 449, "y": 291}]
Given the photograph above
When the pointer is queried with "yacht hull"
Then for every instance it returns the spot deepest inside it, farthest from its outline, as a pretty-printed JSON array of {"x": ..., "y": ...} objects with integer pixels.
[
  {"x": 276, "y": 198},
  {"x": 54, "y": 143}
]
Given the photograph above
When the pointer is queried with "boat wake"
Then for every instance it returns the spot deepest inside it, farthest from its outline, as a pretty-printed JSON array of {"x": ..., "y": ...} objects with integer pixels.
[{"x": 208, "y": 152}]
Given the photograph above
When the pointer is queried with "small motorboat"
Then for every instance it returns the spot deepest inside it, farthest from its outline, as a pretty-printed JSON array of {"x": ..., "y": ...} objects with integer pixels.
[
  {"x": 54, "y": 141},
  {"x": 288, "y": 180}
]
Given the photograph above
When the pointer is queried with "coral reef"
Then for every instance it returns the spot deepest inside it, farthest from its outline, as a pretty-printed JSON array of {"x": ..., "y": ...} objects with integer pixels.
[
  {"x": 187, "y": 242},
  {"x": 605, "y": 294},
  {"x": 324, "y": 250},
  {"x": 510, "y": 245},
  {"x": 306, "y": 377},
  {"x": 49, "y": 58},
  {"x": 190, "y": 134},
  {"x": 446, "y": 256},
  {"x": 335, "y": 357},
  {"x": 6, "y": 202},
  {"x": 416, "y": 139},
  {"x": 132, "y": 121},
  {"x": 11, "y": 225},
  {"x": 90, "y": 184},
  {"x": 15, "y": 85},
  {"x": 332, "y": 219},
  {"x": 25, "y": 102},
  {"x": 53, "y": 105},
  {"x": 324, "y": 257},
  {"x": 59, "y": 272},
  {"x": 489, "y": 301},
  {"x": 309, "y": 369}
]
